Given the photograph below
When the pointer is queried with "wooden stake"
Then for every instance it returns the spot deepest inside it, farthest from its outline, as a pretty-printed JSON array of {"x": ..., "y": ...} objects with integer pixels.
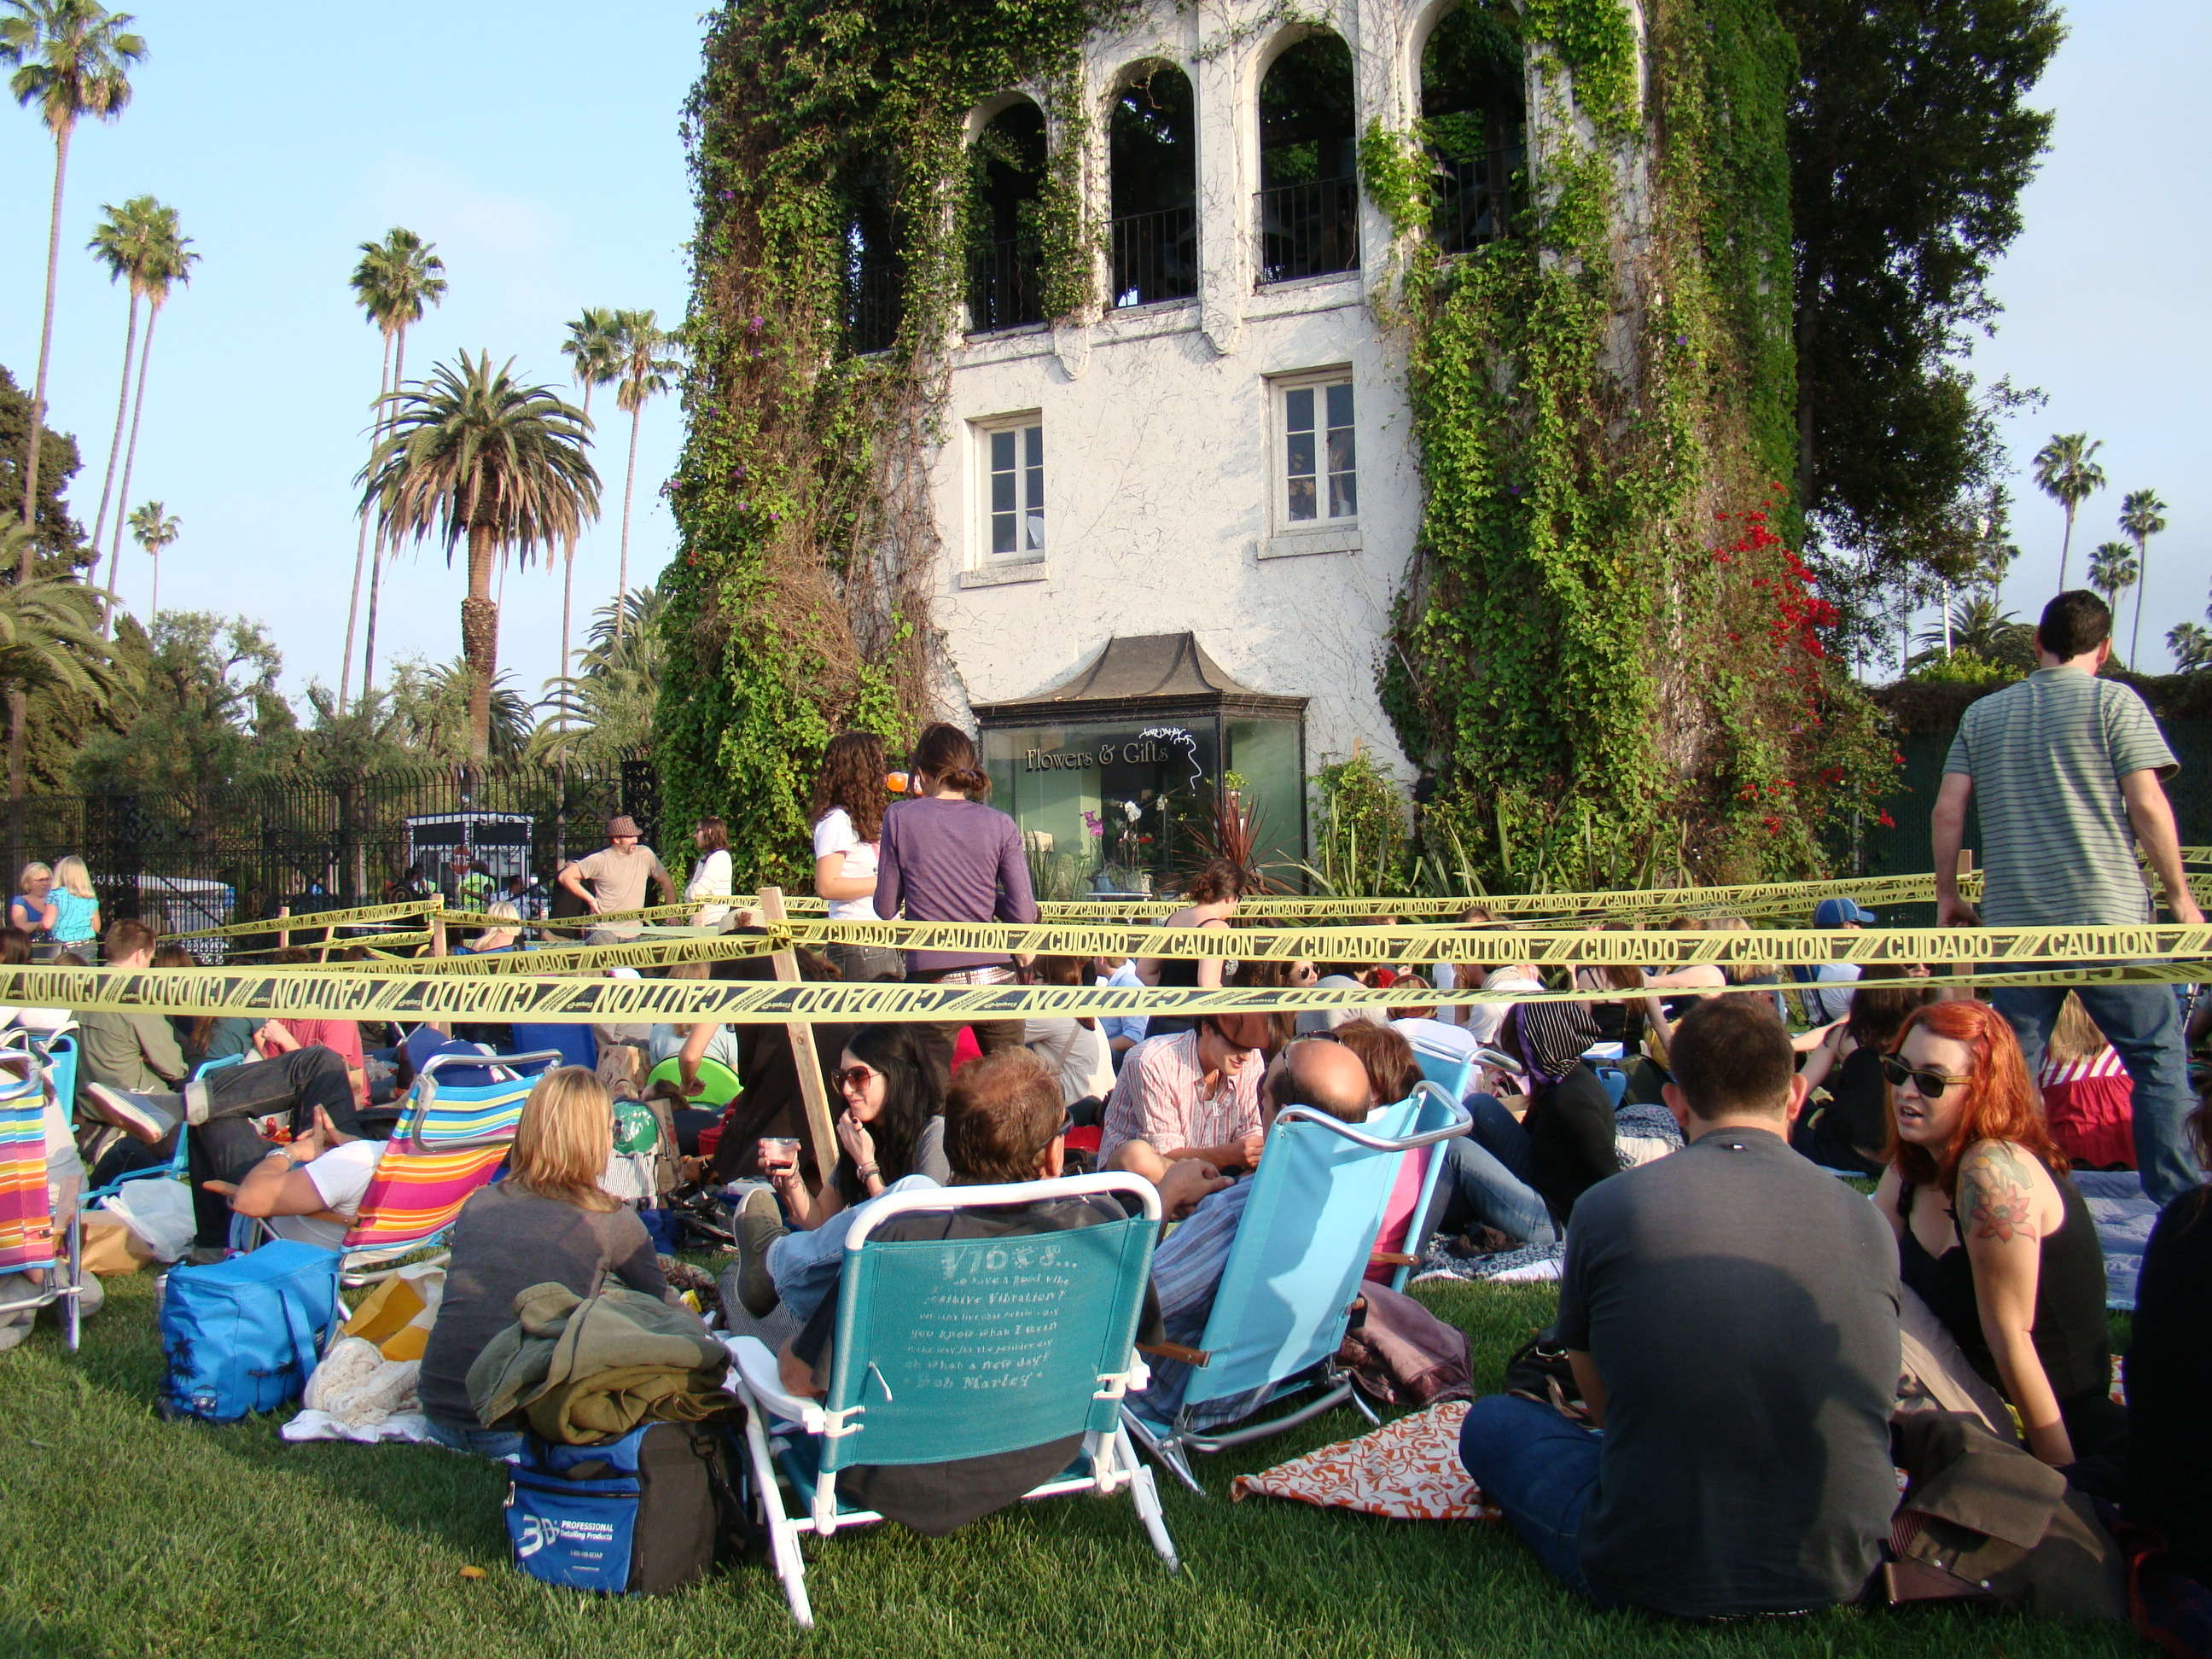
[
  {"x": 283, "y": 934},
  {"x": 804, "y": 1057}
]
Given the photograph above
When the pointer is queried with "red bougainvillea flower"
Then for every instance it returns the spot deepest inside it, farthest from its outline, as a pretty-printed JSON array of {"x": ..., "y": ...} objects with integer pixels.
[
  {"x": 1885, "y": 821},
  {"x": 1773, "y": 825}
]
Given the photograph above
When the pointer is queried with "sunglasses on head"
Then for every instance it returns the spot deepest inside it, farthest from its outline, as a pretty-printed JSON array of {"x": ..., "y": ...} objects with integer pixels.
[
  {"x": 852, "y": 1078},
  {"x": 1930, "y": 1084}
]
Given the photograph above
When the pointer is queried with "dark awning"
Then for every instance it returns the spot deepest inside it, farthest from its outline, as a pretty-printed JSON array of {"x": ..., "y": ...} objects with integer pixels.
[{"x": 1137, "y": 677}]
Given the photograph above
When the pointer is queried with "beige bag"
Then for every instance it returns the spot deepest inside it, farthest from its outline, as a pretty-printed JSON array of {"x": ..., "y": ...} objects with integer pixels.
[{"x": 110, "y": 1249}]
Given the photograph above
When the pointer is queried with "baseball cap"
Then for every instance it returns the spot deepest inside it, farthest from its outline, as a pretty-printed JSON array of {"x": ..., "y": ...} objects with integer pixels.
[{"x": 1839, "y": 913}]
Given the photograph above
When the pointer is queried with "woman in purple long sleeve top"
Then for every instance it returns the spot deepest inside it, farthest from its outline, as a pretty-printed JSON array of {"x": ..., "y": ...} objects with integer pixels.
[{"x": 946, "y": 857}]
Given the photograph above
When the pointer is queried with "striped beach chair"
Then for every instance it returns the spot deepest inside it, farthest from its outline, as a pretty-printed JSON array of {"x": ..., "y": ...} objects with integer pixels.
[
  {"x": 29, "y": 1242},
  {"x": 410, "y": 1204},
  {"x": 444, "y": 1113}
]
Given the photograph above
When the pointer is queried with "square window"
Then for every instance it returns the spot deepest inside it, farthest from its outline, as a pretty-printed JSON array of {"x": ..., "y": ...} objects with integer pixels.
[
  {"x": 1318, "y": 460},
  {"x": 1011, "y": 449}
]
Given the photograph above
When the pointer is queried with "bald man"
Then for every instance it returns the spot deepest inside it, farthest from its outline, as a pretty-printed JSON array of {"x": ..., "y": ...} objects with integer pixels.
[{"x": 1186, "y": 1268}]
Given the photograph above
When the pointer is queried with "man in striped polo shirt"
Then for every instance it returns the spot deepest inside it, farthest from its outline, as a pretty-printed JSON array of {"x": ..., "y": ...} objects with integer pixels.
[{"x": 2067, "y": 768}]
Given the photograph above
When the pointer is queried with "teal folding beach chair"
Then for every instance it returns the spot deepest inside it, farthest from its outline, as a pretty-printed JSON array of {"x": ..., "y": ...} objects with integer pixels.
[
  {"x": 177, "y": 1165},
  {"x": 1304, "y": 1242},
  {"x": 30, "y": 1243},
  {"x": 958, "y": 1348}
]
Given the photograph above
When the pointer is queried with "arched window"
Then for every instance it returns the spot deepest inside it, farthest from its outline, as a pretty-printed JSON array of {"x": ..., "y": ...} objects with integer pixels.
[
  {"x": 1006, "y": 174},
  {"x": 1473, "y": 124},
  {"x": 1152, "y": 154},
  {"x": 1309, "y": 165},
  {"x": 872, "y": 242}
]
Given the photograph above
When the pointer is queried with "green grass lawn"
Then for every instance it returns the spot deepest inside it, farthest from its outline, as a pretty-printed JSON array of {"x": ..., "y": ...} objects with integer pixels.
[{"x": 124, "y": 1535}]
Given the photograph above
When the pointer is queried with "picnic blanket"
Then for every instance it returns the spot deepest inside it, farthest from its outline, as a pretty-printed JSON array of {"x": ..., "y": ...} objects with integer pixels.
[
  {"x": 2123, "y": 1217},
  {"x": 1407, "y": 1470},
  {"x": 1530, "y": 1264}
]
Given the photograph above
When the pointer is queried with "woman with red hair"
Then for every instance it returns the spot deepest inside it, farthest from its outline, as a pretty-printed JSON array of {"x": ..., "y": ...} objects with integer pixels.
[{"x": 1990, "y": 1233}]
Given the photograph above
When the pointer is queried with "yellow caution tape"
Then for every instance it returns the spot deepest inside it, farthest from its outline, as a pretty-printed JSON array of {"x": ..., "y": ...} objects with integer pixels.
[
  {"x": 302, "y": 993},
  {"x": 314, "y": 921}
]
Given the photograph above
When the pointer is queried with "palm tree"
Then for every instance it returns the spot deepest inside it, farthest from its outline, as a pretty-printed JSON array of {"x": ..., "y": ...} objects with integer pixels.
[
  {"x": 167, "y": 257},
  {"x": 644, "y": 375},
  {"x": 125, "y": 243},
  {"x": 50, "y": 634},
  {"x": 2191, "y": 644},
  {"x": 2142, "y": 515},
  {"x": 2113, "y": 568},
  {"x": 611, "y": 699},
  {"x": 2065, "y": 471},
  {"x": 154, "y": 530},
  {"x": 396, "y": 279},
  {"x": 1977, "y": 626},
  {"x": 72, "y": 58},
  {"x": 473, "y": 456},
  {"x": 594, "y": 350}
]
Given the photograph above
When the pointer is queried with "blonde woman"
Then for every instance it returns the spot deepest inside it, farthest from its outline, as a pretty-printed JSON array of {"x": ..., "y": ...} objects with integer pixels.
[
  {"x": 32, "y": 909},
  {"x": 77, "y": 908},
  {"x": 507, "y": 936},
  {"x": 548, "y": 1220}
]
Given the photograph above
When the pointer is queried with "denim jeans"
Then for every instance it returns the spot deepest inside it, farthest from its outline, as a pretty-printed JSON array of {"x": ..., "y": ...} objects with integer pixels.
[
  {"x": 1485, "y": 1179},
  {"x": 1540, "y": 1470},
  {"x": 497, "y": 1443},
  {"x": 804, "y": 1265},
  {"x": 2144, "y": 1024}
]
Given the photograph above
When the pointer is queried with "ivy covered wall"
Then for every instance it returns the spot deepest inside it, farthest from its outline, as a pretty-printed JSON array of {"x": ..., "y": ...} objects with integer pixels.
[{"x": 1605, "y": 653}]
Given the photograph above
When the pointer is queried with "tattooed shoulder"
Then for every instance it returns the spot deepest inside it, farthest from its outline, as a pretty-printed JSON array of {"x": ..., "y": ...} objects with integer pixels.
[{"x": 1997, "y": 1184}]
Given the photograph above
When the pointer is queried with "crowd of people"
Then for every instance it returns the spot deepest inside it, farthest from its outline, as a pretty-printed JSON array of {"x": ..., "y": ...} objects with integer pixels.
[{"x": 1732, "y": 1307}]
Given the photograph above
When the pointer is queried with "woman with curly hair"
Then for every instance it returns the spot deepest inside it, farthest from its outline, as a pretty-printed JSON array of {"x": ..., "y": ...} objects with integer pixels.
[
  {"x": 850, "y": 798},
  {"x": 1990, "y": 1233}
]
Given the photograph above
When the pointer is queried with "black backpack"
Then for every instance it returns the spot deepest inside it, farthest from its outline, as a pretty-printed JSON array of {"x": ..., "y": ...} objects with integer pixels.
[{"x": 640, "y": 1515}]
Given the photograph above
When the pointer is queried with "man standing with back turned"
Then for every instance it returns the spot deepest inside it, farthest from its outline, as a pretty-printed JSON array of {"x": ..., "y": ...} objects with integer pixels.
[{"x": 2067, "y": 767}]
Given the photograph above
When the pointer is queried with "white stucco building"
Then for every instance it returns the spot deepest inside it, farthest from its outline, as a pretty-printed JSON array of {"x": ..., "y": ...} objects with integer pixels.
[{"x": 1222, "y": 449}]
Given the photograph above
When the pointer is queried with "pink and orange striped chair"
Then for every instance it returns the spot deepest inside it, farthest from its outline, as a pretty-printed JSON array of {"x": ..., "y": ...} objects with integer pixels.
[
  {"x": 28, "y": 1241},
  {"x": 411, "y": 1202}
]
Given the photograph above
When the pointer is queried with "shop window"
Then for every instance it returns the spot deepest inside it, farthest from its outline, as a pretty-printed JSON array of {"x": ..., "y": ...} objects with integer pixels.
[
  {"x": 1309, "y": 204},
  {"x": 1011, "y": 455},
  {"x": 1004, "y": 262},
  {"x": 1152, "y": 154},
  {"x": 1473, "y": 127}
]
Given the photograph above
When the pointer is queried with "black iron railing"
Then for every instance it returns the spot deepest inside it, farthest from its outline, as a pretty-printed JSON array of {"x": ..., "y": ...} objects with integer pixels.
[
  {"x": 1310, "y": 229},
  {"x": 1005, "y": 285},
  {"x": 1155, "y": 256},
  {"x": 1472, "y": 201},
  {"x": 874, "y": 307}
]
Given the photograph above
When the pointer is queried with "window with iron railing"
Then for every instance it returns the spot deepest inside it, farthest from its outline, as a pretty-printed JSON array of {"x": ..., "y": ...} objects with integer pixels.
[
  {"x": 874, "y": 307},
  {"x": 1155, "y": 257},
  {"x": 1309, "y": 230},
  {"x": 1472, "y": 201},
  {"x": 1004, "y": 286}
]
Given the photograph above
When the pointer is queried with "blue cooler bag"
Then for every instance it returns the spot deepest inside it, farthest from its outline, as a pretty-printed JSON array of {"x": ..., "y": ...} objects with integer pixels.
[
  {"x": 639, "y": 1516},
  {"x": 244, "y": 1335}
]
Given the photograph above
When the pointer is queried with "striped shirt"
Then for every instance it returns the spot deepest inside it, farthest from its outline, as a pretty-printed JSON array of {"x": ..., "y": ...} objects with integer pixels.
[
  {"x": 1160, "y": 1096},
  {"x": 1187, "y": 1271},
  {"x": 2046, "y": 758}
]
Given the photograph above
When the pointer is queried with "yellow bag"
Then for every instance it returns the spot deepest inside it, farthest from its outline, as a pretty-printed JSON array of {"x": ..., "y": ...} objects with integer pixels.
[{"x": 397, "y": 1315}]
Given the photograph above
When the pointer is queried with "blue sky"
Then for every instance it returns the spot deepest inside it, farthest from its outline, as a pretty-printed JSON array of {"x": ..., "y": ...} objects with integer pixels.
[{"x": 537, "y": 146}]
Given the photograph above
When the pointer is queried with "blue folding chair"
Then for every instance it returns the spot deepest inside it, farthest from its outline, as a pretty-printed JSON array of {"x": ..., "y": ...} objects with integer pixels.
[
  {"x": 957, "y": 1348},
  {"x": 176, "y": 1167},
  {"x": 1303, "y": 1245},
  {"x": 575, "y": 1044}
]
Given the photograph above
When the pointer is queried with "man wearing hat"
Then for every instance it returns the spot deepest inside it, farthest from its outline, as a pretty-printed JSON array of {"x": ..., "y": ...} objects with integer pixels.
[
  {"x": 1826, "y": 1007},
  {"x": 614, "y": 879}
]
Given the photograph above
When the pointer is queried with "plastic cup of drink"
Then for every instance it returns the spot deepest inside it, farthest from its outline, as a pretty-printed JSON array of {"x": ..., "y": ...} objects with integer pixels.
[{"x": 779, "y": 1151}]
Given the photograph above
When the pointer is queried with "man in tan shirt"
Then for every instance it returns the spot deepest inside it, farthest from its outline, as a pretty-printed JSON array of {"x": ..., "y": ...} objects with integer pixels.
[{"x": 614, "y": 879}]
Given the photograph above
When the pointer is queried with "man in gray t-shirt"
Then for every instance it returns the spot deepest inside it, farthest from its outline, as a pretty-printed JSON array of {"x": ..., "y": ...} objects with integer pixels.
[
  {"x": 2067, "y": 770},
  {"x": 1730, "y": 1314}
]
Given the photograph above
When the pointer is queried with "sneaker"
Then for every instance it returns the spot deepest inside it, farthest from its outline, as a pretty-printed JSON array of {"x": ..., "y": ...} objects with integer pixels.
[
  {"x": 760, "y": 1223},
  {"x": 135, "y": 1115}
]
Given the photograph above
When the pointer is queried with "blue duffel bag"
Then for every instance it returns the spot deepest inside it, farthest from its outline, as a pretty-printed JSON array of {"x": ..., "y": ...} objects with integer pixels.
[{"x": 244, "y": 1335}]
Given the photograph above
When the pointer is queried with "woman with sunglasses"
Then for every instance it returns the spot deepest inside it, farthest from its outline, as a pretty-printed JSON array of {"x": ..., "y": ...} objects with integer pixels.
[
  {"x": 1991, "y": 1235},
  {"x": 891, "y": 1136}
]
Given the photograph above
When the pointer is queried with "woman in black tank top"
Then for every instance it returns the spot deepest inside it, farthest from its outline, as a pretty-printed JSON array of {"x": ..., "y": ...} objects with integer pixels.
[{"x": 1990, "y": 1233}]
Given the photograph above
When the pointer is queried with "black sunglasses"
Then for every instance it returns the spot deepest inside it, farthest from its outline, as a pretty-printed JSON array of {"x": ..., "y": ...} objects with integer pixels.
[{"x": 1930, "y": 1084}]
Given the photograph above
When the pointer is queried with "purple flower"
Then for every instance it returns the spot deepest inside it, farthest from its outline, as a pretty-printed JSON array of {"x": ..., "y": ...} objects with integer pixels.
[
  {"x": 755, "y": 325},
  {"x": 1682, "y": 339}
]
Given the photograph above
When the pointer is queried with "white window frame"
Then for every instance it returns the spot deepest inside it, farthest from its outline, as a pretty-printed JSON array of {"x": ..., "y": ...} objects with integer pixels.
[
  {"x": 1292, "y": 536},
  {"x": 1020, "y": 556}
]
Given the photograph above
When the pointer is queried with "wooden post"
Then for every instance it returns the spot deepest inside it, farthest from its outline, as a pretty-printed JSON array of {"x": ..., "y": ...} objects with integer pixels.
[
  {"x": 1966, "y": 869},
  {"x": 283, "y": 934},
  {"x": 804, "y": 1059}
]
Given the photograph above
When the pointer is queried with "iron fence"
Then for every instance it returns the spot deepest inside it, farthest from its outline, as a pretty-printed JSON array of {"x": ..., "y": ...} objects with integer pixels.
[
  {"x": 1472, "y": 201},
  {"x": 1310, "y": 229},
  {"x": 874, "y": 308},
  {"x": 333, "y": 841},
  {"x": 1005, "y": 285},
  {"x": 1155, "y": 257}
]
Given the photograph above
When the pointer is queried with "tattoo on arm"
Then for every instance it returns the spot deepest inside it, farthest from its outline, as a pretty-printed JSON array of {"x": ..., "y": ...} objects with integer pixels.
[{"x": 2000, "y": 1194}]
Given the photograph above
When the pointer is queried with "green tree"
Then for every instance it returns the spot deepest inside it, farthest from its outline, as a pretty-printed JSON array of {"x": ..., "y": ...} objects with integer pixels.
[
  {"x": 57, "y": 540},
  {"x": 2066, "y": 470},
  {"x": 207, "y": 713},
  {"x": 2143, "y": 516},
  {"x": 606, "y": 711},
  {"x": 168, "y": 260},
  {"x": 472, "y": 455},
  {"x": 2113, "y": 568},
  {"x": 594, "y": 350},
  {"x": 1979, "y": 629},
  {"x": 395, "y": 281},
  {"x": 50, "y": 634},
  {"x": 127, "y": 242},
  {"x": 154, "y": 530},
  {"x": 644, "y": 375},
  {"x": 1910, "y": 139},
  {"x": 2191, "y": 644}
]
